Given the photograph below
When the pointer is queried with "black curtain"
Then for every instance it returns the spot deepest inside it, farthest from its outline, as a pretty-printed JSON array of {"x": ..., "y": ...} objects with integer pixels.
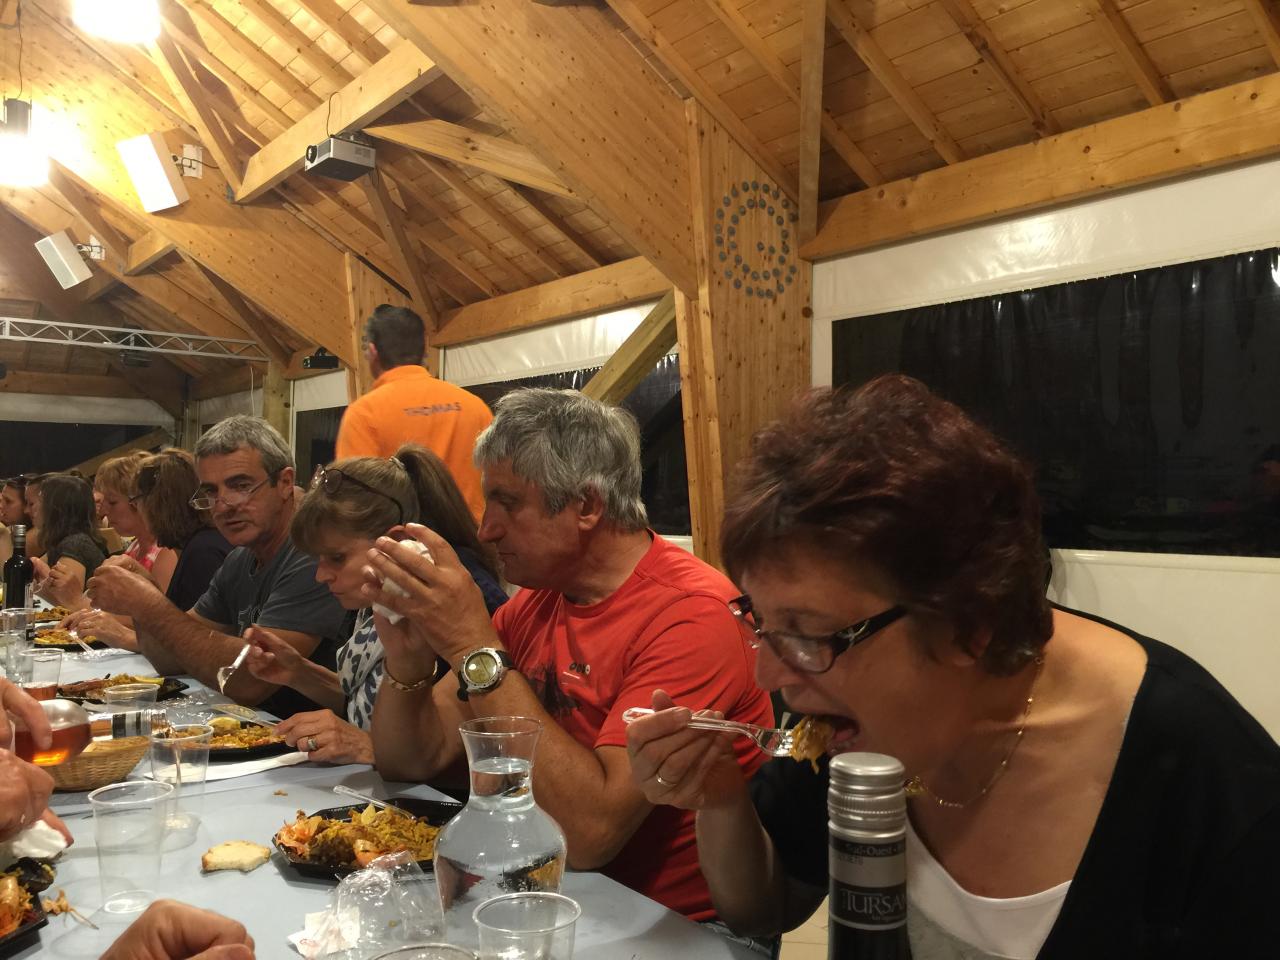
[{"x": 1149, "y": 402}]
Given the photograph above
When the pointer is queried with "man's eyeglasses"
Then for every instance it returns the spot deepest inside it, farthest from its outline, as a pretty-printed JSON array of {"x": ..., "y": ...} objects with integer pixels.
[
  {"x": 813, "y": 654},
  {"x": 331, "y": 481},
  {"x": 232, "y": 498}
]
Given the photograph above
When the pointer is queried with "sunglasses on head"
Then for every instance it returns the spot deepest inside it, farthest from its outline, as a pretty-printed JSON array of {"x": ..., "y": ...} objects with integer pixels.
[{"x": 331, "y": 481}]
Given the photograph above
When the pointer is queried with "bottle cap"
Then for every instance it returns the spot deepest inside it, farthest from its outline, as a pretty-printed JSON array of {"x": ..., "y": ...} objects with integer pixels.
[{"x": 865, "y": 791}]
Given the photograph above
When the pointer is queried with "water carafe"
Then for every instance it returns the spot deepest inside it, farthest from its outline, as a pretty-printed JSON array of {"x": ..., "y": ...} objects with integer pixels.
[{"x": 501, "y": 841}]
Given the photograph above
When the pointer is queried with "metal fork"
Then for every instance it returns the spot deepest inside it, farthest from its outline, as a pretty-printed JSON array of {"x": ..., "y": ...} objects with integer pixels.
[{"x": 770, "y": 740}]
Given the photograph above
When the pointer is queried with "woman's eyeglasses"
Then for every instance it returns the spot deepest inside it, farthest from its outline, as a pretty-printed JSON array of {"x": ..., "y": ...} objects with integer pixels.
[
  {"x": 147, "y": 478},
  {"x": 331, "y": 481},
  {"x": 813, "y": 654}
]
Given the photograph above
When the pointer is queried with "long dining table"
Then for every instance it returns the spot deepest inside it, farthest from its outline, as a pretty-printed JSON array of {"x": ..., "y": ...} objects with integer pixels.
[{"x": 272, "y": 901}]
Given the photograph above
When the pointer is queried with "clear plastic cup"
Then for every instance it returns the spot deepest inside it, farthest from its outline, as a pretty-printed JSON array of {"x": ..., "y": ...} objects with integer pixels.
[
  {"x": 38, "y": 672},
  {"x": 180, "y": 757},
  {"x": 428, "y": 951},
  {"x": 128, "y": 830},
  {"x": 527, "y": 926},
  {"x": 131, "y": 693}
]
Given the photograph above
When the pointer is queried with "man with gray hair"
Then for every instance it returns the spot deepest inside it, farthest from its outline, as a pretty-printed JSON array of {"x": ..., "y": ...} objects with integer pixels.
[
  {"x": 246, "y": 480},
  {"x": 609, "y": 613}
]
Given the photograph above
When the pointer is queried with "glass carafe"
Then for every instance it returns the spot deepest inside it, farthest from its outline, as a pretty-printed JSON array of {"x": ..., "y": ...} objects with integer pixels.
[{"x": 501, "y": 841}]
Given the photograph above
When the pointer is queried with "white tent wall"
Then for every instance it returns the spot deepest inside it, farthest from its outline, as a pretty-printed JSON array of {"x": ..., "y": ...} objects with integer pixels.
[
  {"x": 42, "y": 408},
  {"x": 210, "y": 411},
  {"x": 1220, "y": 610}
]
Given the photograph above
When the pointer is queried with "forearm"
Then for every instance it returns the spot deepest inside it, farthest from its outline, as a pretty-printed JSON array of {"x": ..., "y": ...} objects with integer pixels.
[
  {"x": 748, "y": 887},
  {"x": 321, "y": 685},
  {"x": 197, "y": 649},
  {"x": 411, "y": 740}
]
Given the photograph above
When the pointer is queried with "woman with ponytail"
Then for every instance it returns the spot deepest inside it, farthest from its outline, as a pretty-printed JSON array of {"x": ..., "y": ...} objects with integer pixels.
[{"x": 351, "y": 503}]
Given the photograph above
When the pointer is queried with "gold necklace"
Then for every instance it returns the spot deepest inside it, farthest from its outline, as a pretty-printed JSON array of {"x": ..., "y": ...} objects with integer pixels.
[{"x": 916, "y": 787}]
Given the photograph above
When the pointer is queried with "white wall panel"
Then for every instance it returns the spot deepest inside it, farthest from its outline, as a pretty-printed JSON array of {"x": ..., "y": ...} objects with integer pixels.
[{"x": 43, "y": 408}]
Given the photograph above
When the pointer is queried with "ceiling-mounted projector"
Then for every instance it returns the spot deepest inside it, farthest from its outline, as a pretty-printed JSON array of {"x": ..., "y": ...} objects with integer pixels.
[{"x": 347, "y": 157}]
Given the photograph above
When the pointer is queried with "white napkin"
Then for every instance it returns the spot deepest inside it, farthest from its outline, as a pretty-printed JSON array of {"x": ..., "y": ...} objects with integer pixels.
[
  {"x": 320, "y": 937},
  {"x": 39, "y": 841},
  {"x": 245, "y": 768},
  {"x": 393, "y": 588}
]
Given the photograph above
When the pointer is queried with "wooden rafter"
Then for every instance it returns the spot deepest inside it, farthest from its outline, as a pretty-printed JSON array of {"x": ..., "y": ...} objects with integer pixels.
[
  {"x": 391, "y": 219},
  {"x": 144, "y": 252},
  {"x": 635, "y": 359},
  {"x": 244, "y": 312},
  {"x": 559, "y": 225},
  {"x": 401, "y": 74},
  {"x": 674, "y": 61},
  {"x": 474, "y": 276},
  {"x": 8, "y": 13},
  {"x": 86, "y": 208},
  {"x": 194, "y": 100},
  {"x": 495, "y": 213},
  {"x": 336, "y": 20},
  {"x": 494, "y": 155},
  {"x": 287, "y": 33},
  {"x": 732, "y": 17},
  {"x": 67, "y": 384},
  {"x": 1112, "y": 22},
  {"x": 891, "y": 78},
  {"x": 813, "y": 45},
  {"x": 268, "y": 66},
  {"x": 1267, "y": 17},
  {"x": 986, "y": 45},
  {"x": 606, "y": 288},
  {"x": 96, "y": 286},
  {"x": 1230, "y": 125}
]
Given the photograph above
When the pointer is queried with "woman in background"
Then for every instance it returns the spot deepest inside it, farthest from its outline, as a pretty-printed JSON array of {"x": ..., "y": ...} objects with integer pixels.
[
  {"x": 163, "y": 485},
  {"x": 351, "y": 503},
  {"x": 74, "y": 547},
  {"x": 117, "y": 481}
]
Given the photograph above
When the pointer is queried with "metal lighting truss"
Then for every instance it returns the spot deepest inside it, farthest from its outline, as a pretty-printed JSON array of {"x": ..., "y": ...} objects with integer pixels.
[{"x": 128, "y": 338}]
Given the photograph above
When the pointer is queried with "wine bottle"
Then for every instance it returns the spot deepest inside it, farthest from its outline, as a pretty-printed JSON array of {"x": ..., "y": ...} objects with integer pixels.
[
  {"x": 867, "y": 856},
  {"x": 74, "y": 729},
  {"x": 18, "y": 571}
]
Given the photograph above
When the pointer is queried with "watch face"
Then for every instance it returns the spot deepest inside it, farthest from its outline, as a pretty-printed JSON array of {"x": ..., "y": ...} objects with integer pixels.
[{"x": 480, "y": 668}]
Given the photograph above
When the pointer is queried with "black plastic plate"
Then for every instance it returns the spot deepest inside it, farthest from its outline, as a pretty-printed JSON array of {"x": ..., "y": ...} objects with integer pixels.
[
  {"x": 22, "y": 937},
  {"x": 170, "y": 688},
  {"x": 435, "y": 812},
  {"x": 225, "y": 754}
]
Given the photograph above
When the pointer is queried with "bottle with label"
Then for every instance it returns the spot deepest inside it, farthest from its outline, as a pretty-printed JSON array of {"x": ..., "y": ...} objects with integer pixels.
[
  {"x": 867, "y": 854},
  {"x": 19, "y": 573},
  {"x": 74, "y": 729}
]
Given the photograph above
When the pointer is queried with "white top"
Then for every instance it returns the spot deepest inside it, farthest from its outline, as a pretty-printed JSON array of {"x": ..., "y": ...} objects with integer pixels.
[{"x": 949, "y": 923}]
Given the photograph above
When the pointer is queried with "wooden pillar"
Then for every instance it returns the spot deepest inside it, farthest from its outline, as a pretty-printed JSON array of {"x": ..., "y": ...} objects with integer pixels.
[
  {"x": 277, "y": 400},
  {"x": 745, "y": 342},
  {"x": 365, "y": 290}
]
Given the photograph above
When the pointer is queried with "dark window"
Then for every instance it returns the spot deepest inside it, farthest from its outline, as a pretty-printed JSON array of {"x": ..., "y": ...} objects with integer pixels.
[
  {"x": 655, "y": 402},
  {"x": 315, "y": 434},
  {"x": 27, "y": 447},
  {"x": 1148, "y": 402}
]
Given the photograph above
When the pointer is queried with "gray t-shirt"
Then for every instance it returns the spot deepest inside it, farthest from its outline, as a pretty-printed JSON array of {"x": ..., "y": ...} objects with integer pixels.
[{"x": 283, "y": 595}]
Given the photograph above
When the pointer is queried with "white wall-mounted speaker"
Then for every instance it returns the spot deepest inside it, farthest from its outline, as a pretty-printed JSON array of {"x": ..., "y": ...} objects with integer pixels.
[
  {"x": 149, "y": 162},
  {"x": 62, "y": 257}
]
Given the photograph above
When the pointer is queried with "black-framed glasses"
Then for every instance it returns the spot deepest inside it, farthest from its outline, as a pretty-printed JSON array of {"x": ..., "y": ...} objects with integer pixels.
[
  {"x": 232, "y": 498},
  {"x": 331, "y": 481},
  {"x": 147, "y": 478},
  {"x": 813, "y": 654}
]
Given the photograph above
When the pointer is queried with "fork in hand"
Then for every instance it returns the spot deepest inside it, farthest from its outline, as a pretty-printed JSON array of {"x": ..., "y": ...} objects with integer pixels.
[{"x": 770, "y": 740}]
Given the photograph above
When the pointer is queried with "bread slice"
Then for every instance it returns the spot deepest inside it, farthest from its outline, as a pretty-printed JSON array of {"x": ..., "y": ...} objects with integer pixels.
[{"x": 235, "y": 855}]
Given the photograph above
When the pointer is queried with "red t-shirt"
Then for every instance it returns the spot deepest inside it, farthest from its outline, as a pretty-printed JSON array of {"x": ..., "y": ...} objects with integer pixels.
[{"x": 666, "y": 627}]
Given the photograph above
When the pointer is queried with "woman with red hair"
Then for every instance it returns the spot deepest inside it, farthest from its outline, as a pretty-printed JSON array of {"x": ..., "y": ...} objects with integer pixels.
[{"x": 1075, "y": 789}]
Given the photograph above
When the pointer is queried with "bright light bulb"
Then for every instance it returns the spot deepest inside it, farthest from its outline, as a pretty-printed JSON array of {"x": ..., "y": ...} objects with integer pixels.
[
  {"x": 122, "y": 21},
  {"x": 23, "y": 162}
]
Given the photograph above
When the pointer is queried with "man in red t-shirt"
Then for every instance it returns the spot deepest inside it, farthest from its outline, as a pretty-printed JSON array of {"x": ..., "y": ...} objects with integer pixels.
[{"x": 608, "y": 613}]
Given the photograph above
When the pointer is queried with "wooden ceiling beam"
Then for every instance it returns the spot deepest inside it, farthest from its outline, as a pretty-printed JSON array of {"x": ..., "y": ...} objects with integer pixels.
[
  {"x": 8, "y": 13},
  {"x": 1118, "y": 32},
  {"x": 559, "y": 225},
  {"x": 1267, "y": 17},
  {"x": 672, "y": 59},
  {"x": 96, "y": 286},
  {"x": 813, "y": 45},
  {"x": 475, "y": 277},
  {"x": 68, "y": 384},
  {"x": 245, "y": 313},
  {"x": 236, "y": 378},
  {"x": 144, "y": 252},
  {"x": 389, "y": 81},
  {"x": 391, "y": 219},
  {"x": 194, "y": 100},
  {"x": 494, "y": 155},
  {"x": 606, "y": 288},
  {"x": 883, "y": 69},
  {"x": 86, "y": 208},
  {"x": 731, "y": 16},
  {"x": 616, "y": 120},
  {"x": 635, "y": 359},
  {"x": 993, "y": 53},
  {"x": 1230, "y": 125},
  {"x": 495, "y": 213},
  {"x": 162, "y": 383},
  {"x": 287, "y": 33},
  {"x": 336, "y": 20},
  {"x": 267, "y": 65}
]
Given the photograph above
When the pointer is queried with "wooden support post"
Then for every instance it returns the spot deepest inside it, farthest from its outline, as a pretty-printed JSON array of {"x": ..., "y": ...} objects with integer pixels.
[
  {"x": 700, "y": 409},
  {"x": 639, "y": 354},
  {"x": 365, "y": 290},
  {"x": 813, "y": 44},
  {"x": 277, "y": 402}
]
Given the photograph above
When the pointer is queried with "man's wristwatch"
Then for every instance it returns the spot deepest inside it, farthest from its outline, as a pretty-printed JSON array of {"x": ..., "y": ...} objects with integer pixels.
[{"x": 482, "y": 670}]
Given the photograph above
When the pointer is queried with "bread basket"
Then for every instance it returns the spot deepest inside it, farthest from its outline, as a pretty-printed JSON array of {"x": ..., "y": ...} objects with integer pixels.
[{"x": 102, "y": 762}]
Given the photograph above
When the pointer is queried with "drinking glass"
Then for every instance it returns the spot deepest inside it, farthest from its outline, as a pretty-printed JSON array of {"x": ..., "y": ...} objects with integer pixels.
[
  {"x": 38, "y": 672},
  {"x": 13, "y": 640},
  {"x": 527, "y": 926},
  {"x": 428, "y": 951},
  {"x": 131, "y": 693},
  {"x": 180, "y": 756},
  {"x": 128, "y": 829}
]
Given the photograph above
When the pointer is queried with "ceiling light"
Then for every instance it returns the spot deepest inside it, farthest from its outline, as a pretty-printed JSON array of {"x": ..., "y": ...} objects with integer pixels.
[
  {"x": 23, "y": 162},
  {"x": 154, "y": 174},
  {"x": 122, "y": 21}
]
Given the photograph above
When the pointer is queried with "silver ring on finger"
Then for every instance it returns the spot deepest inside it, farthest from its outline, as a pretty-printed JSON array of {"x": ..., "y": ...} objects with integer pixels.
[
  {"x": 666, "y": 783},
  {"x": 312, "y": 746}
]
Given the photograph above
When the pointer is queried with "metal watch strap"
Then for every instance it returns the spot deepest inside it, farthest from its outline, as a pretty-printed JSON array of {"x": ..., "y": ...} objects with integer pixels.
[{"x": 504, "y": 658}]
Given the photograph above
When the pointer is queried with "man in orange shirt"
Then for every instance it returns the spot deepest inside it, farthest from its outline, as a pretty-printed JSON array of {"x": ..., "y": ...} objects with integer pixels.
[{"x": 407, "y": 404}]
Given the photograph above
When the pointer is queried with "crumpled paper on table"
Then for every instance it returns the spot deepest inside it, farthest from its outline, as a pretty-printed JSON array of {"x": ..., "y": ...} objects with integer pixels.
[{"x": 38, "y": 841}]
